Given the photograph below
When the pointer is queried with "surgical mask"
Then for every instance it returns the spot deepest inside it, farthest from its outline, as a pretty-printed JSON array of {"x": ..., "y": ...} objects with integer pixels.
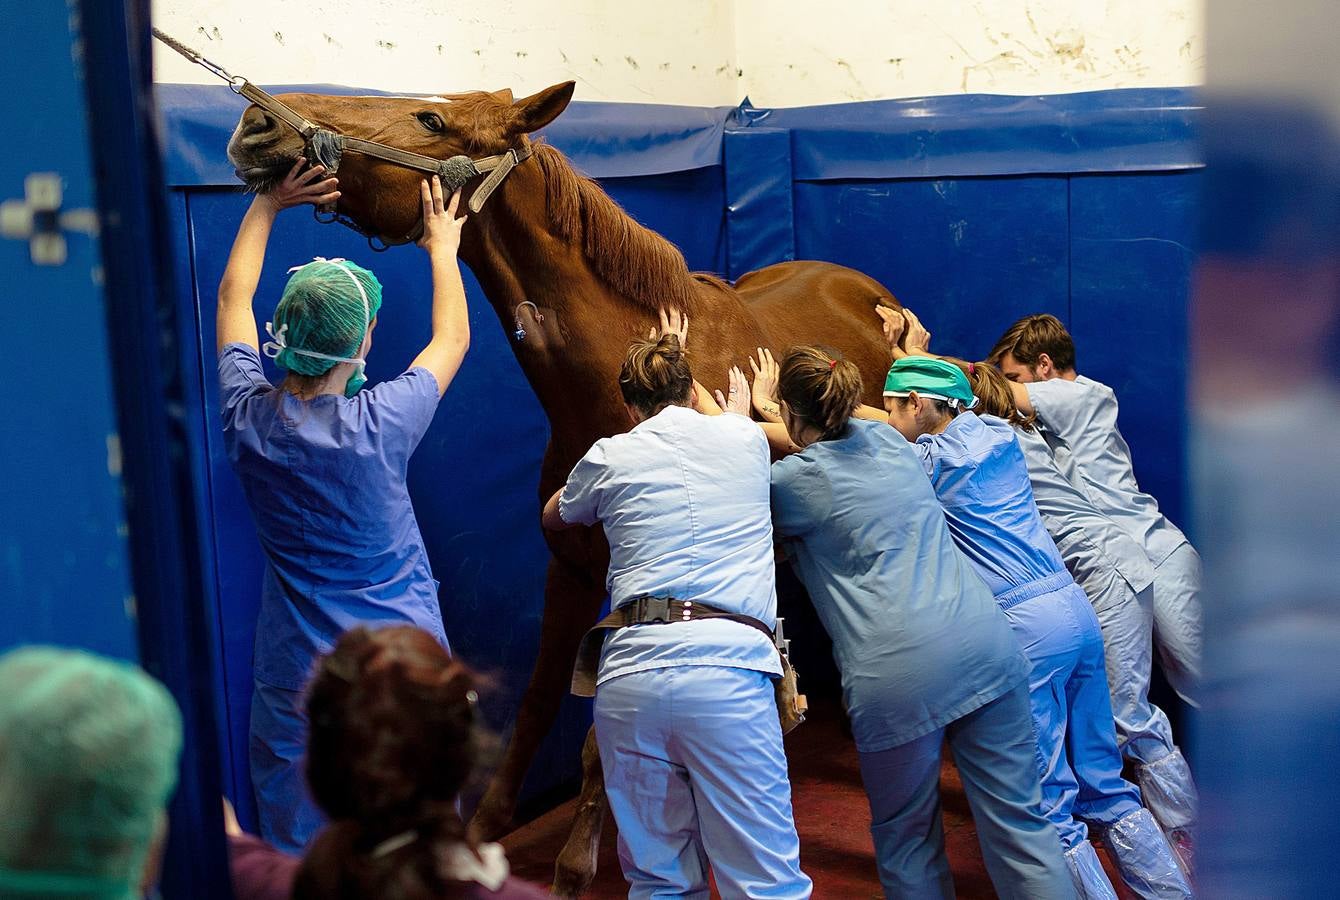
[{"x": 278, "y": 343}]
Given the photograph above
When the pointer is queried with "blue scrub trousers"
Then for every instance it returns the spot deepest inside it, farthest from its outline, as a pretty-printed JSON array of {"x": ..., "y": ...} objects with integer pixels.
[
  {"x": 695, "y": 773},
  {"x": 1072, "y": 710},
  {"x": 288, "y": 816},
  {"x": 993, "y": 747}
]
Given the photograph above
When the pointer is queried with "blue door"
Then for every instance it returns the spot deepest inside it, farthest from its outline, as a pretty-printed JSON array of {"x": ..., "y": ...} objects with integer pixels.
[{"x": 98, "y": 498}]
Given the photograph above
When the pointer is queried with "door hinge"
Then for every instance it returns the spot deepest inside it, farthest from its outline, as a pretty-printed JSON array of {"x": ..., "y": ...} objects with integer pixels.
[{"x": 39, "y": 219}]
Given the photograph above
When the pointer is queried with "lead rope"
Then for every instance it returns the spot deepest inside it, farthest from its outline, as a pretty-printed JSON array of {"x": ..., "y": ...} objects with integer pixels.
[{"x": 325, "y": 147}]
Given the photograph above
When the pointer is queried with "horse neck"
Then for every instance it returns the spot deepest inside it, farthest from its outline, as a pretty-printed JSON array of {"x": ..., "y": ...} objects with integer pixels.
[{"x": 516, "y": 255}]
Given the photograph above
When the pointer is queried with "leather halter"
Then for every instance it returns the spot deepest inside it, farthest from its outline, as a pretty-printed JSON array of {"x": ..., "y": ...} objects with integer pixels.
[{"x": 326, "y": 147}]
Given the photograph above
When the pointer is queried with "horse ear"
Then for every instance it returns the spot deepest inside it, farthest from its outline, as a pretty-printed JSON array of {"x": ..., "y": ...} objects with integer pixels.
[
  {"x": 538, "y": 110},
  {"x": 505, "y": 95}
]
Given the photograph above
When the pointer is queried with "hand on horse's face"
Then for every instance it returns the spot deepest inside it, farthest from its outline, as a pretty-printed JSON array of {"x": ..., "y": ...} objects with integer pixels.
[
  {"x": 441, "y": 227},
  {"x": 299, "y": 187}
]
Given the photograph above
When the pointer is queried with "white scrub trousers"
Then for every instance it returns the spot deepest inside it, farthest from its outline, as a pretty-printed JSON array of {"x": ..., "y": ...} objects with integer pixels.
[
  {"x": 1143, "y": 732},
  {"x": 696, "y": 775},
  {"x": 1178, "y": 620}
]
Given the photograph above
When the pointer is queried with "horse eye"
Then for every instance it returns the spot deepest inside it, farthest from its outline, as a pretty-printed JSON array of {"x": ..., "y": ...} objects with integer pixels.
[{"x": 431, "y": 121}]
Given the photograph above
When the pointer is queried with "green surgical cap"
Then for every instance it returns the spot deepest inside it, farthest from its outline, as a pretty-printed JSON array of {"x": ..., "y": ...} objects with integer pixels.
[
  {"x": 930, "y": 377},
  {"x": 322, "y": 312},
  {"x": 88, "y": 759}
]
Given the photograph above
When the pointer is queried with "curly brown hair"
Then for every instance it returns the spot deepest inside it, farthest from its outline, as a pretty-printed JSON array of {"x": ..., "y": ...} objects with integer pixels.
[{"x": 391, "y": 743}]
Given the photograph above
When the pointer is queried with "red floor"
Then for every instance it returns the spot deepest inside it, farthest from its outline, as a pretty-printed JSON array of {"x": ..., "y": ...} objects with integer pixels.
[{"x": 831, "y": 816}]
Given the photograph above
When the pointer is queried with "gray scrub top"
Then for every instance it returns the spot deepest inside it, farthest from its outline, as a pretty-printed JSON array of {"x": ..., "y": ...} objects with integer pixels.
[
  {"x": 916, "y": 633},
  {"x": 1087, "y": 539},
  {"x": 1083, "y": 413}
]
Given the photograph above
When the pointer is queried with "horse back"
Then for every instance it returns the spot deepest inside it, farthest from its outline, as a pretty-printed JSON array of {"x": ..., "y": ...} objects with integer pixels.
[{"x": 823, "y": 304}]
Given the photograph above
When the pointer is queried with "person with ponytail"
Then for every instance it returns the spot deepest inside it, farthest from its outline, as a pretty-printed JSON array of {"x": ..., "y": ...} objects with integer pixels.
[
  {"x": 685, "y": 715},
  {"x": 393, "y": 741},
  {"x": 980, "y": 476},
  {"x": 323, "y": 467},
  {"x": 925, "y": 655},
  {"x": 1116, "y": 575}
]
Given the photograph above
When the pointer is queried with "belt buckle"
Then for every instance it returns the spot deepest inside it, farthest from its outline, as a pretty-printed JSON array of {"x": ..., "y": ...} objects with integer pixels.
[{"x": 653, "y": 609}]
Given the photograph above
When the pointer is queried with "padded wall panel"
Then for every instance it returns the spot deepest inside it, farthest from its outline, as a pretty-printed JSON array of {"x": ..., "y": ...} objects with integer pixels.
[
  {"x": 969, "y": 255},
  {"x": 1132, "y": 250}
]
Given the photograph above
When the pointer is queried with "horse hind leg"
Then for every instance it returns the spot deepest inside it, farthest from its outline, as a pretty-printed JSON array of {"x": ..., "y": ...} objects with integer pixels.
[
  {"x": 571, "y": 604},
  {"x": 576, "y": 864}
]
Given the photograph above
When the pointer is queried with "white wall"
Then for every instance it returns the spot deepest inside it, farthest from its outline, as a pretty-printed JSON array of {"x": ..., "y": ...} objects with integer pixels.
[
  {"x": 703, "y": 52},
  {"x": 799, "y": 52}
]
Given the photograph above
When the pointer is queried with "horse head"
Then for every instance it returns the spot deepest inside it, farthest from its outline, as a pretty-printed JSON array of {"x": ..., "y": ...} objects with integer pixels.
[{"x": 382, "y": 197}]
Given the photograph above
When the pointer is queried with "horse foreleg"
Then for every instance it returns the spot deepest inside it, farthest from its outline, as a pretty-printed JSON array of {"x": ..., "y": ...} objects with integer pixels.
[
  {"x": 576, "y": 864},
  {"x": 571, "y": 604}
]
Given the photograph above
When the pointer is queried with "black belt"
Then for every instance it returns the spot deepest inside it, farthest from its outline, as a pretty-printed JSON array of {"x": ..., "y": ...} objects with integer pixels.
[{"x": 645, "y": 610}]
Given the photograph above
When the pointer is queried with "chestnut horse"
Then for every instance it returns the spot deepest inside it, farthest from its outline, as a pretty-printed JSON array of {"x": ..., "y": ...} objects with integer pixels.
[{"x": 551, "y": 237}]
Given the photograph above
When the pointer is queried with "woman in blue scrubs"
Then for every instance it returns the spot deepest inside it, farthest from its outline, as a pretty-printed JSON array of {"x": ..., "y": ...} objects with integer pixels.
[
  {"x": 323, "y": 466},
  {"x": 925, "y": 654},
  {"x": 685, "y": 715},
  {"x": 979, "y": 474}
]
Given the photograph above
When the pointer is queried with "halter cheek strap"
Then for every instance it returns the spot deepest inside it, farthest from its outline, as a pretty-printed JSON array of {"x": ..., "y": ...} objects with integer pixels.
[{"x": 278, "y": 342}]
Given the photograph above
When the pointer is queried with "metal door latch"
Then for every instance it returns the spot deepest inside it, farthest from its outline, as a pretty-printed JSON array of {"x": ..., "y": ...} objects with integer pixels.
[{"x": 39, "y": 219}]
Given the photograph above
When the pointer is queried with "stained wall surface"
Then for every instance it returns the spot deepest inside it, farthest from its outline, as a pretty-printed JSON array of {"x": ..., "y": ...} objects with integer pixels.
[{"x": 698, "y": 52}]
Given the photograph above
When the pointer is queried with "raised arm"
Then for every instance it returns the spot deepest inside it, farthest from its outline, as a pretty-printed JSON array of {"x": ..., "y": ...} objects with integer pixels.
[
  {"x": 764, "y": 389},
  {"x": 451, "y": 320},
  {"x": 236, "y": 321}
]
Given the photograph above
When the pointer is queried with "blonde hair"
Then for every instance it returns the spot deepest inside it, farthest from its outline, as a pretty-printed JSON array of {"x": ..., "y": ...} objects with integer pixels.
[
  {"x": 820, "y": 389},
  {"x": 655, "y": 374}
]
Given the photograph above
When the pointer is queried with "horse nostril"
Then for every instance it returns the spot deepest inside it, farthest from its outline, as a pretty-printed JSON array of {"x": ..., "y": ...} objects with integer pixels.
[{"x": 257, "y": 125}]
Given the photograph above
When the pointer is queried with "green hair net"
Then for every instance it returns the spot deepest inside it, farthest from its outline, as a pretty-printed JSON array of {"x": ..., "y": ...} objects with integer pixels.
[
  {"x": 88, "y": 759},
  {"x": 322, "y": 318},
  {"x": 930, "y": 377}
]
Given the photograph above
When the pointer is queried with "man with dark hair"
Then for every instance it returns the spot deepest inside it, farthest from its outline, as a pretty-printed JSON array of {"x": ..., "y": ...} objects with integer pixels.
[
  {"x": 1037, "y": 354},
  {"x": 1038, "y": 345}
]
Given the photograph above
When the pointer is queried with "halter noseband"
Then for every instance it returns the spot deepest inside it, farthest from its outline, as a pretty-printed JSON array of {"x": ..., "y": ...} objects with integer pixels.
[{"x": 326, "y": 147}]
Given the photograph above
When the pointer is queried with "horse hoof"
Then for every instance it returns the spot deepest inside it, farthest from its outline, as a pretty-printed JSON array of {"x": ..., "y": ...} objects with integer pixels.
[
  {"x": 571, "y": 881},
  {"x": 575, "y": 868},
  {"x": 492, "y": 819}
]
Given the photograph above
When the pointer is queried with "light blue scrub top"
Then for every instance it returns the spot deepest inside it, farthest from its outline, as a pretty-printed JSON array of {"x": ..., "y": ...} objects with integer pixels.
[
  {"x": 1083, "y": 413},
  {"x": 325, "y": 480},
  {"x": 981, "y": 479},
  {"x": 916, "y": 634},
  {"x": 1087, "y": 539},
  {"x": 683, "y": 498}
]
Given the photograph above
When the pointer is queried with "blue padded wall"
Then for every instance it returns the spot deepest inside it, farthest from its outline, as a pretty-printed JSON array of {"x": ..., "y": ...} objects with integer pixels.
[{"x": 973, "y": 210}]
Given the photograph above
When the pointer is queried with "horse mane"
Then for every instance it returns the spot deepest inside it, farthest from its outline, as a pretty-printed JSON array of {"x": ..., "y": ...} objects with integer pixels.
[{"x": 632, "y": 259}]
